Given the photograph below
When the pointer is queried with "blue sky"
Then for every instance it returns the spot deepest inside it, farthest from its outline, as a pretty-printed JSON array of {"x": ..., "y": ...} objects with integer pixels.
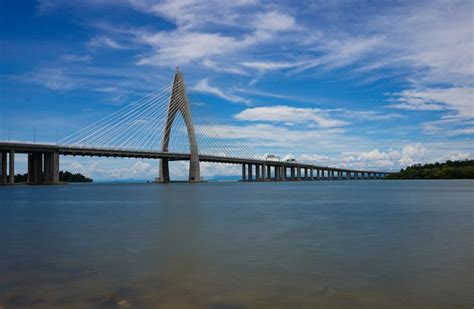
[{"x": 362, "y": 84}]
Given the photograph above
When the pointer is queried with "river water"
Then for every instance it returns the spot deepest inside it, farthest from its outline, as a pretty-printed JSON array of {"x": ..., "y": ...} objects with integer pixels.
[{"x": 338, "y": 244}]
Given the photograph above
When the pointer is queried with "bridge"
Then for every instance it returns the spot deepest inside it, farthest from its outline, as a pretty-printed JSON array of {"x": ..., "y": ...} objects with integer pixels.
[{"x": 143, "y": 130}]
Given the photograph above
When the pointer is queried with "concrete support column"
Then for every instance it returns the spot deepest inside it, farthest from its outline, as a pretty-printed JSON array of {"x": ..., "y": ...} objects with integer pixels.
[
  {"x": 48, "y": 173},
  {"x": 348, "y": 175},
  {"x": 3, "y": 170},
  {"x": 38, "y": 167},
  {"x": 257, "y": 172},
  {"x": 269, "y": 172},
  {"x": 298, "y": 173},
  {"x": 51, "y": 167},
  {"x": 264, "y": 172},
  {"x": 11, "y": 179},
  {"x": 282, "y": 173},
  {"x": 312, "y": 173},
  {"x": 249, "y": 169},
  {"x": 244, "y": 172},
  {"x": 164, "y": 170},
  {"x": 30, "y": 168},
  {"x": 55, "y": 167},
  {"x": 332, "y": 175}
]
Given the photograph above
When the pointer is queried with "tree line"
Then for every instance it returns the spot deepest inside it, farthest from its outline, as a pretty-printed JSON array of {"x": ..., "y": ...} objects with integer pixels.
[
  {"x": 448, "y": 170},
  {"x": 64, "y": 176}
]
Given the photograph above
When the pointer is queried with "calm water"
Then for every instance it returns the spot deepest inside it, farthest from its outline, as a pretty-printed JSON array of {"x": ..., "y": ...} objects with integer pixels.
[{"x": 359, "y": 244}]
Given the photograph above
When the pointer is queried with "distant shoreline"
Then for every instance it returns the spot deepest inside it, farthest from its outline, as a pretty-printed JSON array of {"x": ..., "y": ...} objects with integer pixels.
[{"x": 455, "y": 170}]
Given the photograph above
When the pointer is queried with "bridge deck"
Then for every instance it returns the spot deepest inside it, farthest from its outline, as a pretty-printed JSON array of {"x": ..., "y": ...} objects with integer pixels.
[{"x": 129, "y": 153}]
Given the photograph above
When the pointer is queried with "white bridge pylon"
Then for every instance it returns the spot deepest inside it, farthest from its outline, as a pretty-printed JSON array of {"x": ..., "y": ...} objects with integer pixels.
[{"x": 179, "y": 103}]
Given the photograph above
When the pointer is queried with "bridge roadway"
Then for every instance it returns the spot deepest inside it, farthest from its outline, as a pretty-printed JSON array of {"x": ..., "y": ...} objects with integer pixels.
[{"x": 43, "y": 163}]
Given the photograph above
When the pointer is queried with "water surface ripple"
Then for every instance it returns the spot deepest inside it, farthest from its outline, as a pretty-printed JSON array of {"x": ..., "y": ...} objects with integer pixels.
[{"x": 340, "y": 244}]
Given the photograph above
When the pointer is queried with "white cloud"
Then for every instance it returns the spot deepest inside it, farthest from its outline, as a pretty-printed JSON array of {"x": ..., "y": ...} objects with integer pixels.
[
  {"x": 264, "y": 66},
  {"x": 341, "y": 52},
  {"x": 458, "y": 156},
  {"x": 101, "y": 169},
  {"x": 449, "y": 126},
  {"x": 203, "y": 86},
  {"x": 274, "y": 21},
  {"x": 287, "y": 114},
  {"x": 459, "y": 99},
  {"x": 437, "y": 37},
  {"x": 222, "y": 68},
  {"x": 103, "y": 41},
  {"x": 53, "y": 78},
  {"x": 412, "y": 154},
  {"x": 365, "y": 115},
  {"x": 181, "y": 47},
  {"x": 76, "y": 58},
  {"x": 195, "y": 13}
]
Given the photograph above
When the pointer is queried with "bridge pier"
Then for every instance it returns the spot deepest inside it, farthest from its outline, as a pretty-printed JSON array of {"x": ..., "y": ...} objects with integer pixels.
[
  {"x": 263, "y": 172},
  {"x": 11, "y": 178},
  {"x": 3, "y": 170},
  {"x": 164, "y": 170},
  {"x": 282, "y": 173},
  {"x": 43, "y": 168}
]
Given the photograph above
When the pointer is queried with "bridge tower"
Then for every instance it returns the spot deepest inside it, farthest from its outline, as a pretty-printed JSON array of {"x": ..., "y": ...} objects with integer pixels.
[{"x": 179, "y": 103}]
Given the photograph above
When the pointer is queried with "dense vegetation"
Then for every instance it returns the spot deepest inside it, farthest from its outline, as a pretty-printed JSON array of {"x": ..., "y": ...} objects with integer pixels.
[
  {"x": 448, "y": 170},
  {"x": 70, "y": 177},
  {"x": 64, "y": 176}
]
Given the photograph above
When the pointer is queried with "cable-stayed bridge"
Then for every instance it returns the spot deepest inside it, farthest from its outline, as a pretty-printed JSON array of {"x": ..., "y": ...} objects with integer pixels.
[{"x": 160, "y": 126}]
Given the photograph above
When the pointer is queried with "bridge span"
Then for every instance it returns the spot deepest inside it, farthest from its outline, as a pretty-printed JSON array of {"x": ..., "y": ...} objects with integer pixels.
[
  {"x": 144, "y": 129},
  {"x": 43, "y": 164}
]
